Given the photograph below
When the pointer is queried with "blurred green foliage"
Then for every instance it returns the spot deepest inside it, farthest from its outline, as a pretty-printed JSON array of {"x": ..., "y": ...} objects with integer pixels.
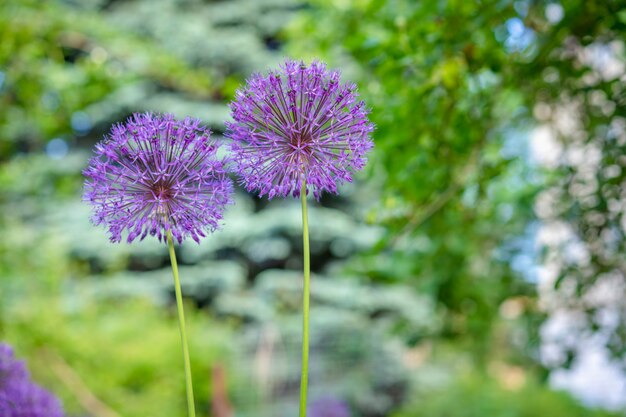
[
  {"x": 575, "y": 86},
  {"x": 57, "y": 60},
  {"x": 415, "y": 265},
  {"x": 127, "y": 353},
  {"x": 476, "y": 396},
  {"x": 451, "y": 197},
  {"x": 456, "y": 90}
]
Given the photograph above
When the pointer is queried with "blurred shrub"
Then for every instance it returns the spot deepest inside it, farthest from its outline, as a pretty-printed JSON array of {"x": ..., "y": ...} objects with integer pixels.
[
  {"x": 477, "y": 396},
  {"x": 350, "y": 359},
  {"x": 127, "y": 354},
  {"x": 457, "y": 90},
  {"x": 575, "y": 87},
  {"x": 68, "y": 67},
  {"x": 447, "y": 162},
  {"x": 56, "y": 60}
]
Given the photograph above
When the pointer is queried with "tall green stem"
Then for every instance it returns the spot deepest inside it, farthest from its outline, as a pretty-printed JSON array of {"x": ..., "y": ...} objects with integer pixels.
[
  {"x": 305, "y": 302},
  {"x": 181, "y": 325}
]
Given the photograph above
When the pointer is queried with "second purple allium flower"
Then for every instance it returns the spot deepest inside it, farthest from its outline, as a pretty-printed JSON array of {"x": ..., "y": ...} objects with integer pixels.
[
  {"x": 299, "y": 123},
  {"x": 19, "y": 395},
  {"x": 155, "y": 174}
]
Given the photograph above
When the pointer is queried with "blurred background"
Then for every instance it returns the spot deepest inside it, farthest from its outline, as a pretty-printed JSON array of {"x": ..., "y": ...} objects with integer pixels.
[{"x": 476, "y": 268}]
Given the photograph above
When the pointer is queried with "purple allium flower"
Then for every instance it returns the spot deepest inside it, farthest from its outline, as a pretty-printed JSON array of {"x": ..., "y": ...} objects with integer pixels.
[
  {"x": 19, "y": 396},
  {"x": 154, "y": 174},
  {"x": 298, "y": 123},
  {"x": 329, "y": 407}
]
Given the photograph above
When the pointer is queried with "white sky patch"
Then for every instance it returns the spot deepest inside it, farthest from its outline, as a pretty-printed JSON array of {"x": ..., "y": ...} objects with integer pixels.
[
  {"x": 593, "y": 378},
  {"x": 554, "y": 13},
  {"x": 545, "y": 149}
]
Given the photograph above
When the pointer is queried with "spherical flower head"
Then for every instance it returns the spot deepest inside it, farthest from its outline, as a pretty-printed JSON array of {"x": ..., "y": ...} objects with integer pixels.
[
  {"x": 298, "y": 123},
  {"x": 155, "y": 174},
  {"x": 19, "y": 396}
]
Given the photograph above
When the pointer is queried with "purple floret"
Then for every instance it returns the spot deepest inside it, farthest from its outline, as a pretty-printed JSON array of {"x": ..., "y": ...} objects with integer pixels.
[
  {"x": 154, "y": 174},
  {"x": 19, "y": 396},
  {"x": 298, "y": 123},
  {"x": 329, "y": 407}
]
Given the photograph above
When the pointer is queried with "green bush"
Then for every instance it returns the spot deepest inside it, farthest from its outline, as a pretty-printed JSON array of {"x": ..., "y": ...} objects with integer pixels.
[
  {"x": 477, "y": 396},
  {"x": 127, "y": 354}
]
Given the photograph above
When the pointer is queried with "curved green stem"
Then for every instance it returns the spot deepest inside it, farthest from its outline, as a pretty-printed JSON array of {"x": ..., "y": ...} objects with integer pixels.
[
  {"x": 181, "y": 325},
  {"x": 305, "y": 302}
]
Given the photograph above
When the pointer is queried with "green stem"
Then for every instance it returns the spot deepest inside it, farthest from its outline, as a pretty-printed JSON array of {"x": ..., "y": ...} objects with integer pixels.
[
  {"x": 181, "y": 325},
  {"x": 305, "y": 302}
]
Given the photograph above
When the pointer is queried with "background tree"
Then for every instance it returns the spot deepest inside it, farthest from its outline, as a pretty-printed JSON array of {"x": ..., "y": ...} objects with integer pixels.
[
  {"x": 574, "y": 84},
  {"x": 451, "y": 162}
]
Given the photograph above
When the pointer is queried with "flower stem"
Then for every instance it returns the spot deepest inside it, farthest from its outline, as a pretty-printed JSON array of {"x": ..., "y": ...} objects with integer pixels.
[
  {"x": 181, "y": 325},
  {"x": 305, "y": 302}
]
